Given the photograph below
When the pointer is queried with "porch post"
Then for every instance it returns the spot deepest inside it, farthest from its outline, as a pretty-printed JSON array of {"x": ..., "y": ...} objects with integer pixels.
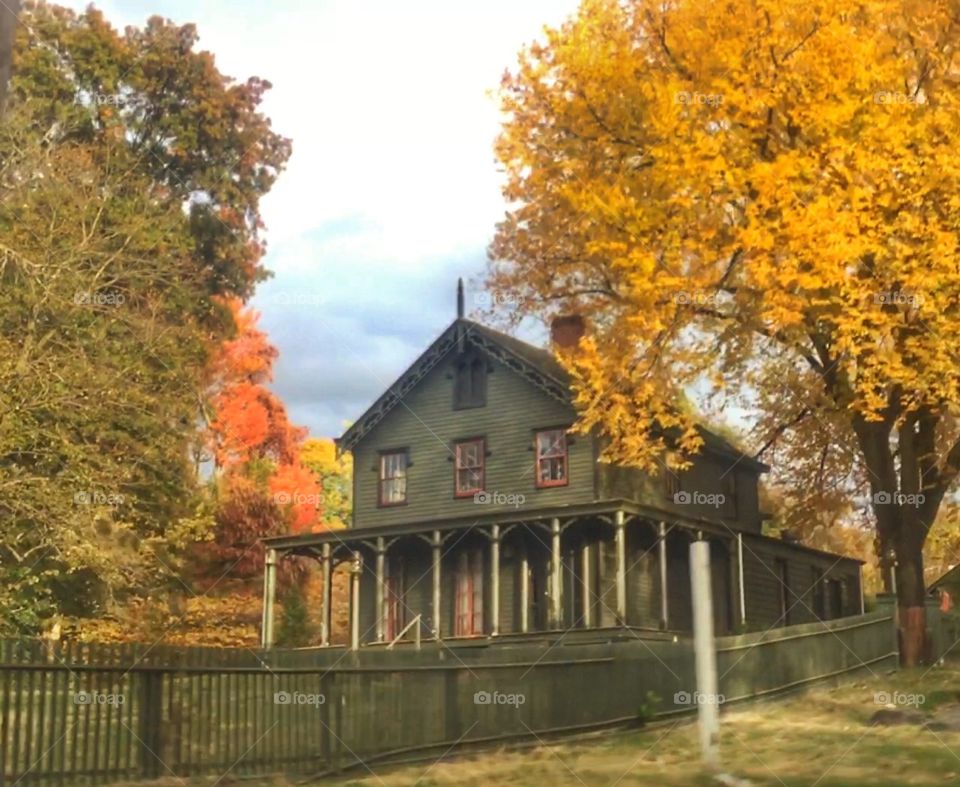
[
  {"x": 556, "y": 609},
  {"x": 860, "y": 583},
  {"x": 743, "y": 594},
  {"x": 269, "y": 596},
  {"x": 326, "y": 595},
  {"x": 494, "y": 580},
  {"x": 585, "y": 585},
  {"x": 664, "y": 595},
  {"x": 620, "y": 540},
  {"x": 524, "y": 591},
  {"x": 436, "y": 545},
  {"x": 355, "y": 568},
  {"x": 381, "y": 558}
]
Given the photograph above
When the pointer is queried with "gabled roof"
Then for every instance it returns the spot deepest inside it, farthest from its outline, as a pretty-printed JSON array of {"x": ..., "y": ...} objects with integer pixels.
[{"x": 535, "y": 364}]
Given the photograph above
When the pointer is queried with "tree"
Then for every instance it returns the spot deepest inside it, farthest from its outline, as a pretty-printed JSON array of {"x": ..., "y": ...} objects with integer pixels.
[
  {"x": 130, "y": 177},
  {"x": 336, "y": 476},
  {"x": 263, "y": 488},
  {"x": 759, "y": 198}
]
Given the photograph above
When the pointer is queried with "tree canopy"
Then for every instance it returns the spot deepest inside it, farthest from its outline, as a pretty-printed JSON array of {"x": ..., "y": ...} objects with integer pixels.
[{"x": 759, "y": 198}]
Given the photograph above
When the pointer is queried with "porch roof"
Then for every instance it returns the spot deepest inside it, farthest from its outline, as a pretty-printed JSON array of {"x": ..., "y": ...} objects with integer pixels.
[{"x": 305, "y": 543}]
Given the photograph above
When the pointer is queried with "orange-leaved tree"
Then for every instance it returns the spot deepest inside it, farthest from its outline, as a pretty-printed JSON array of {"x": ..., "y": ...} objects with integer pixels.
[
  {"x": 760, "y": 197},
  {"x": 263, "y": 486}
]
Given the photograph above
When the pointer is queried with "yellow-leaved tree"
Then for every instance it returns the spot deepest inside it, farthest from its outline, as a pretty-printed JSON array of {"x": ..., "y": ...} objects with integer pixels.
[{"x": 761, "y": 196}]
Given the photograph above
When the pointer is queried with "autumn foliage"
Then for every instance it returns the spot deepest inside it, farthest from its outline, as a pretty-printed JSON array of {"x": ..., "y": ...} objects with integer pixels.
[{"x": 760, "y": 199}]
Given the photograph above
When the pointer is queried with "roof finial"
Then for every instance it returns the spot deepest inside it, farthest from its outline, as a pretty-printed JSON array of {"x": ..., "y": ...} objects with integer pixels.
[{"x": 460, "y": 299}]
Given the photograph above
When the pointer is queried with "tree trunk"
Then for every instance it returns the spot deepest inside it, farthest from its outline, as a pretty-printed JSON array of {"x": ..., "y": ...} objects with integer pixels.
[{"x": 911, "y": 599}]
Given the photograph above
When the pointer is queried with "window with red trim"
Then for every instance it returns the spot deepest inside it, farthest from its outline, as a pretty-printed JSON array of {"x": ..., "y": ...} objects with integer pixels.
[
  {"x": 469, "y": 460},
  {"x": 469, "y": 596},
  {"x": 552, "y": 459},
  {"x": 393, "y": 478}
]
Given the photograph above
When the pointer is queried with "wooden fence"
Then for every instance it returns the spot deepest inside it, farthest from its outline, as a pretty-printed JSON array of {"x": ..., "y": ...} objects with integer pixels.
[{"x": 99, "y": 714}]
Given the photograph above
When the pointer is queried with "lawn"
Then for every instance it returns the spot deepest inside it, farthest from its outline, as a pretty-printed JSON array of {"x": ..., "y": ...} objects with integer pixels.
[{"x": 820, "y": 737}]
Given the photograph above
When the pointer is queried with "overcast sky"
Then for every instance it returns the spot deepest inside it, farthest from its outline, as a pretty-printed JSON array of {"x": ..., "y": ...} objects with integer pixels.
[{"x": 392, "y": 191}]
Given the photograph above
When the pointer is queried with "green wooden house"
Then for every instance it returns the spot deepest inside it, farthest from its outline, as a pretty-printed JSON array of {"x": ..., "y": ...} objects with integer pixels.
[{"x": 478, "y": 514}]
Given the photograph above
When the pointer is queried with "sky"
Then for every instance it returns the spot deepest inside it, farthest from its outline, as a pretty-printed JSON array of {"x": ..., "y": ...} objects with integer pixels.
[{"x": 392, "y": 191}]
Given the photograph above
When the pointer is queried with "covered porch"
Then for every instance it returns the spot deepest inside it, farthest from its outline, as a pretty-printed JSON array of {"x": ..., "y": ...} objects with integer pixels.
[{"x": 613, "y": 565}]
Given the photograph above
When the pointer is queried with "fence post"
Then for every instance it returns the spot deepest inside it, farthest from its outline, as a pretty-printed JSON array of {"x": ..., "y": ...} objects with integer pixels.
[{"x": 150, "y": 723}]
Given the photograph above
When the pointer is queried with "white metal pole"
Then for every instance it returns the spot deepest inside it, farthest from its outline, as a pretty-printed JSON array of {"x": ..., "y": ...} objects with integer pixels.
[
  {"x": 381, "y": 588},
  {"x": 707, "y": 696},
  {"x": 437, "y": 557},
  {"x": 524, "y": 592}
]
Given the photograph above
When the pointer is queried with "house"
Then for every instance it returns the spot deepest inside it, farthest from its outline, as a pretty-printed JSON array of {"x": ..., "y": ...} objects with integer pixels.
[{"x": 478, "y": 514}]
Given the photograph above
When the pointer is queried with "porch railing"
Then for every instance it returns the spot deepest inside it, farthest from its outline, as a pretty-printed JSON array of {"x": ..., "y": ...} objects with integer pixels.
[{"x": 405, "y": 629}]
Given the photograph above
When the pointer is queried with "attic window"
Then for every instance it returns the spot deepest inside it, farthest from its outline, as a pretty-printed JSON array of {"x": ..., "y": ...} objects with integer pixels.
[{"x": 470, "y": 382}]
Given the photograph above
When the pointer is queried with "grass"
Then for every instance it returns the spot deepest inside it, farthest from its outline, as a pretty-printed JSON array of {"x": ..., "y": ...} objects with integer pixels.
[{"x": 819, "y": 738}]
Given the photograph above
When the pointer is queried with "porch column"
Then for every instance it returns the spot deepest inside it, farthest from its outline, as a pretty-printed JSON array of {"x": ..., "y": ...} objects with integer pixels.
[
  {"x": 585, "y": 585},
  {"x": 524, "y": 592},
  {"x": 621, "y": 544},
  {"x": 436, "y": 546},
  {"x": 494, "y": 580},
  {"x": 740, "y": 586},
  {"x": 664, "y": 595},
  {"x": 556, "y": 609},
  {"x": 381, "y": 559},
  {"x": 269, "y": 597},
  {"x": 327, "y": 579},
  {"x": 355, "y": 568}
]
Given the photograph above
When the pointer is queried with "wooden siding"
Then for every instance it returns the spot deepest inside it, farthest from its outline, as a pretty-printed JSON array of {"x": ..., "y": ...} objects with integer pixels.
[
  {"x": 427, "y": 424},
  {"x": 710, "y": 474}
]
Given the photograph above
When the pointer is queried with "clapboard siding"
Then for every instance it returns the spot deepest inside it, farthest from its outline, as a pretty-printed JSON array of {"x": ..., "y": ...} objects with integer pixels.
[
  {"x": 643, "y": 577},
  {"x": 427, "y": 424},
  {"x": 762, "y": 584},
  {"x": 709, "y": 476}
]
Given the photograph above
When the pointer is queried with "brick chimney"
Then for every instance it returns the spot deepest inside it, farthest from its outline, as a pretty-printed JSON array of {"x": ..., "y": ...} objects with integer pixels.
[{"x": 566, "y": 331}]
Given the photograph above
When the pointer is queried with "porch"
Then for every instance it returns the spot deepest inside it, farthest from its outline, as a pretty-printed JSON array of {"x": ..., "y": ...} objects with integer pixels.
[{"x": 610, "y": 566}]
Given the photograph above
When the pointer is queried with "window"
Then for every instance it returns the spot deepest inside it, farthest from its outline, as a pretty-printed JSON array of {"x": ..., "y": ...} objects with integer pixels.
[
  {"x": 393, "y": 478},
  {"x": 552, "y": 457},
  {"x": 470, "y": 382},
  {"x": 469, "y": 596},
  {"x": 469, "y": 458}
]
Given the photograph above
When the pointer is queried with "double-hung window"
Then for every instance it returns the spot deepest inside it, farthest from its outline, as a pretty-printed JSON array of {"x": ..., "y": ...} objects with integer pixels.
[
  {"x": 552, "y": 458},
  {"x": 393, "y": 478}
]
